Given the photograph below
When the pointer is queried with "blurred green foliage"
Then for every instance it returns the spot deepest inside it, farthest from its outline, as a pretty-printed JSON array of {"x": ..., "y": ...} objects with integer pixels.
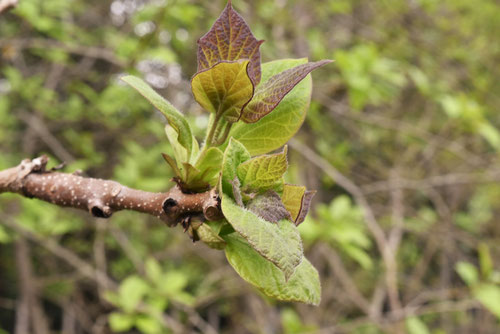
[{"x": 412, "y": 98}]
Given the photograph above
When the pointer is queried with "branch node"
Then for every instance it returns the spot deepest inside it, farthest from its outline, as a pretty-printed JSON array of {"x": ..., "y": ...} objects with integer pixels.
[
  {"x": 168, "y": 204},
  {"x": 98, "y": 209}
]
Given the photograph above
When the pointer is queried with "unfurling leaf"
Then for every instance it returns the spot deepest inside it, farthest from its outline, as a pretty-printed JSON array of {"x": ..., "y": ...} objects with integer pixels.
[
  {"x": 292, "y": 199},
  {"x": 263, "y": 172},
  {"x": 237, "y": 192},
  {"x": 234, "y": 155},
  {"x": 210, "y": 236},
  {"x": 230, "y": 39},
  {"x": 269, "y": 207},
  {"x": 279, "y": 243},
  {"x": 224, "y": 89},
  {"x": 274, "y": 130},
  {"x": 269, "y": 95},
  {"x": 304, "y": 208},
  {"x": 303, "y": 286},
  {"x": 174, "y": 117},
  {"x": 204, "y": 173},
  {"x": 297, "y": 201}
]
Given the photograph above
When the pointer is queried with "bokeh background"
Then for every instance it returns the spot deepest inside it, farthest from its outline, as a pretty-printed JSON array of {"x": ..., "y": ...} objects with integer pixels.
[{"x": 402, "y": 143}]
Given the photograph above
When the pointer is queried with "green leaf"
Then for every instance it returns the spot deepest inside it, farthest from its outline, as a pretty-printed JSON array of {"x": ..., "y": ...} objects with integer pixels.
[
  {"x": 131, "y": 292},
  {"x": 263, "y": 172},
  {"x": 234, "y": 155},
  {"x": 174, "y": 117},
  {"x": 173, "y": 164},
  {"x": 210, "y": 237},
  {"x": 292, "y": 199},
  {"x": 148, "y": 325},
  {"x": 224, "y": 89},
  {"x": 303, "y": 286},
  {"x": 297, "y": 201},
  {"x": 229, "y": 39},
  {"x": 153, "y": 270},
  {"x": 274, "y": 130},
  {"x": 489, "y": 296},
  {"x": 120, "y": 322},
  {"x": 485, "y": 261},
  {"x": 208, "y": 166},
  {"x": 278, "y": 242},
  {"x": 180, "y": 152},
  {"x": 467, "y": 272},
  {"x": 269, "y": 95},
  {"x": 416, "y": 326}
]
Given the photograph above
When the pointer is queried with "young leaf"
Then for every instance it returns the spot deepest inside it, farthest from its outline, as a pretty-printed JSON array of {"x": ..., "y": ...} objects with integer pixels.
[
  {"x": 234, "y": 155},
  {"x": 210, "y": 237},
  {"x": 230, "y": 39},
  {"x": 180, "y": 152},
  {"x": 297, "y": 201},
  {"x": 269, "y": 95},
  {"x": 173, "y": 164},
  {"x": 303, "y": 286},
  {"x": 279, "y": 243},
  {"x": 224, "y": 89},
  {"x": 292, "y": 199},
  {"x": 173, "y": 116},
  {"x": 263, "y": 172},
  {"x": 274, "y": 130},
  {"x": 269, "y": 207},
  {"x": 304, "y": 206},
  {"x": 209, "y": 164}
]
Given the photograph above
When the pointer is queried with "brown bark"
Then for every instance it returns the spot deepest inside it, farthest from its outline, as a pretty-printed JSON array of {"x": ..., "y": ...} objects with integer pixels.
[{"x": 103, "y": 197}]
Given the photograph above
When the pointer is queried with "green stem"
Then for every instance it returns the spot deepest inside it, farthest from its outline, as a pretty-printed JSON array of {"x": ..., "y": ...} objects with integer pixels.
[
  {"x": 210, "y": 137},
  {"x": 223, "y": 138}
]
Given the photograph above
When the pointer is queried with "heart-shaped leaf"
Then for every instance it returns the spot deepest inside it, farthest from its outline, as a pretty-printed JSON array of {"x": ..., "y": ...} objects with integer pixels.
[
  {"x": 269, "y": 95},
  {"x": 224, "y": 89},
  {"x": 230, "y": 39},
  {"x": 174, "y": 117},
  {"x": 303, "y": 286}
]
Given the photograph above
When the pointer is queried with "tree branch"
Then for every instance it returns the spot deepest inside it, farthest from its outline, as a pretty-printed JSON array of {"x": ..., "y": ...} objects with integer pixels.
[{"x": 103, "y": 197}]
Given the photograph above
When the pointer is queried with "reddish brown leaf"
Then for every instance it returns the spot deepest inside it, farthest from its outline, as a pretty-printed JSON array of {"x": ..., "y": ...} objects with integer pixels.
[
  {"x": 304, "y": 208},
  {"x": 269, "y": 207},
  {"x": 268, "y": 95},
  {"x": 230, "y": 39}
]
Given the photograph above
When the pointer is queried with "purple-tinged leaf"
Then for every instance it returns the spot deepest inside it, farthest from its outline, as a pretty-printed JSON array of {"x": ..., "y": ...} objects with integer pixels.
[
  {"x": 268, "y": 95},
  {"x": 230, "y": 39},
  {"x": 269, "y": 207},
  {"x": 304, "y": 208}
]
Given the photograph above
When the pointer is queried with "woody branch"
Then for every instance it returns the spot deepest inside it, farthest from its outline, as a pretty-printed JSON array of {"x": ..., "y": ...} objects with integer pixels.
[{"x": 103, "y": 197}]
